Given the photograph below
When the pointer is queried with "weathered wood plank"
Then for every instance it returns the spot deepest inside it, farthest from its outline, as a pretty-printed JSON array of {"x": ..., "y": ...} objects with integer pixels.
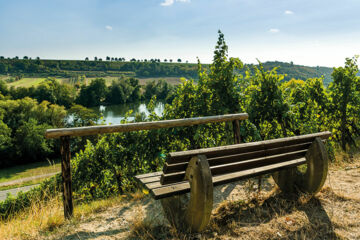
[
  {"x": 94, "y": 130},
  {"x": 66, "y": 177},
  {"x": 238, "y": 166},
  {"x": 146, "y": 175},
  {"x": 179, "y": 167},
  {"x": 236, "y": 130},
  {"x": 183, "y": 156},
  {"x": 150, "y": 179},
  {"x": 226, "y": 178},
  {"x": 184, "y": 187}
]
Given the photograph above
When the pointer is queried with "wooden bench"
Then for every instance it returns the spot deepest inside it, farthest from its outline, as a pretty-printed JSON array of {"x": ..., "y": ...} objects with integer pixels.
[{"x": 197, "y": 171}]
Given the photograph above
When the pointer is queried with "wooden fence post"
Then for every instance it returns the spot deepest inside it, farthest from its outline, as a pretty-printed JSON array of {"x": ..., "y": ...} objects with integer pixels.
[
  {"x": 66, "y": 176},
  {"x": 236, "y": 129}
]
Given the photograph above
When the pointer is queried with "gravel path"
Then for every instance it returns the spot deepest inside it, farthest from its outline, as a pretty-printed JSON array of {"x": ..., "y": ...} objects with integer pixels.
[
  {"x": 21, "y": 180},
  {"x": 14, "y": 191}
]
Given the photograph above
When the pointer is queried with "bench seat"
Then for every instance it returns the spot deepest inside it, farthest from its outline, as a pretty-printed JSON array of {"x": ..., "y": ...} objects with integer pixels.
[
  {"x": 230, "y": 163},
  {"x": 158, "y": 191},
  {"x": 198, "y": 171}
]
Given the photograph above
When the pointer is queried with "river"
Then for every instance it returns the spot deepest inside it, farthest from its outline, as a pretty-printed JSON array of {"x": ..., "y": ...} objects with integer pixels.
[{"x": 113, "y": 114}]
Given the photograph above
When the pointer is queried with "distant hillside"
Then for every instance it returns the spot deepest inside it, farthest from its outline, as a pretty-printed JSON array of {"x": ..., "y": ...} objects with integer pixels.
[
  {"x": 300, "y": 72},
  {"x": 71, "y": 68}
]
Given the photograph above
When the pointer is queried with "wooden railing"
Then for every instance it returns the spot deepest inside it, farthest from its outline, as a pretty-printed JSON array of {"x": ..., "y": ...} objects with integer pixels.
[{"x": 65, "y": 133}]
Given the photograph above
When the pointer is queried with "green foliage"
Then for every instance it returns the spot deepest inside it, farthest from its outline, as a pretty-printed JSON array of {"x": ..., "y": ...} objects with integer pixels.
[
  {"x": 30, "y": 141},
  {"x": 22, "y": 126},
  {"x": 292, "y": 71},
  {"x": 3, "y": 88},
  {"x": 345, "y": 102},
  {"x": 53, "y": 91},
  {"x": 47, "y": 189},
  {"x": 266, "y": 104},
  {"x": 70, "y": 68},
  {"x": 81, "y": 116},
  {"x": 77, "y": 69},
  {"x": 124, "y": 90},
  {"x": 94, "y": 94},
  {"x": 160, "y": 89}
]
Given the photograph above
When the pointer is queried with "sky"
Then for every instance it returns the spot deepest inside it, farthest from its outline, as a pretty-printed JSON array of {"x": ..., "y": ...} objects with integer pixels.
[{"x": 306, "y": 32}]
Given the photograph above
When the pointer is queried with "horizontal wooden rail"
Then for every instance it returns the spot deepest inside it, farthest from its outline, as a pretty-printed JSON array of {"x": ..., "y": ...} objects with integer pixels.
[
  {"x": 94, "y": 130},
  {"x": 65, "y": 133}
]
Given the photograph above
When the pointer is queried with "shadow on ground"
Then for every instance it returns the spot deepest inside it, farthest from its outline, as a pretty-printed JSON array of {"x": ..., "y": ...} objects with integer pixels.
[{"x": 250, "y": 216}]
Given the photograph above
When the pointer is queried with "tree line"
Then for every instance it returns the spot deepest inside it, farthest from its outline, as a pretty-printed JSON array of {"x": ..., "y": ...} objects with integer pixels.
[
  {"x": 140, "y": 68},
  {"x": 122, "y": 90},
  {"x": 66, "y": 68}
]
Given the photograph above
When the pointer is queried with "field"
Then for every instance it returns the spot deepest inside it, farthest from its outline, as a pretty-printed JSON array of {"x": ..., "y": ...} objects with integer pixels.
[
  {"x": 143, "y": 81},
  {"x": 171, "y": 80},
  {"x": 26, "y": 82},
  {"x": 33, "y": 82}
]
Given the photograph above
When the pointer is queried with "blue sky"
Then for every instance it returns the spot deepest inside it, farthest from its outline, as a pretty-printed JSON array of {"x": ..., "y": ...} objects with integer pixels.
[{"x": 307, "y": 32}]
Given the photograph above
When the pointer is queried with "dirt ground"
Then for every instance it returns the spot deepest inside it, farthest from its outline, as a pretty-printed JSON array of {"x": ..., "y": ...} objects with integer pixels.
[{"x": 240, "y": 212}]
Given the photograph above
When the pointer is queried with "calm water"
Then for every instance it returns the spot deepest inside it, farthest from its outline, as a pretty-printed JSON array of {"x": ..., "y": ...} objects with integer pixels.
[{"x": 115, "y": 113}]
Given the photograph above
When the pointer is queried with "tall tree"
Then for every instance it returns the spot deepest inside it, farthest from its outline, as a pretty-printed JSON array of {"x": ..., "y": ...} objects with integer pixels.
[
  {"x": 266, "y": 106},
  {"x": 345, "y": 102}
]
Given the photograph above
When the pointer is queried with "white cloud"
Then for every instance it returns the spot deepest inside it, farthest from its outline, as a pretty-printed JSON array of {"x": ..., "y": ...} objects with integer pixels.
[
  {"x": 274, "y": 30},
  {"x": 288, "y": 12},
  {"x": 167, "y": 3},
  {"x": 107, "y": 27}
]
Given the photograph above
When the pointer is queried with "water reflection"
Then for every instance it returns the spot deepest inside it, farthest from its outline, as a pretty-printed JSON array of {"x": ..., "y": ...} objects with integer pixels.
[{"x": 113, "y": 114}]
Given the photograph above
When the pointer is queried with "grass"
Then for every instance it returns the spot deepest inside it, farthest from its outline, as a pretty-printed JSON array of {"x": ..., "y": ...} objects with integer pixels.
[
  {"x": 26, "y": 82},
  {"x": 43, "y": 219},
  {"x": 170, "y": 80},
  {"x": 26, "y": 171}
]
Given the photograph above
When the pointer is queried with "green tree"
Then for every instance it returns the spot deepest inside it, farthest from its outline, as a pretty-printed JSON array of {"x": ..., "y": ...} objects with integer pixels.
[
  {"x": 3, "y": 88},
  {"x": 345, "y": 102},
  {"x": 94, "y": 94},
  {"x": 81, "y": 116},
  {"x": 30, "y": 142},
  {"x": 267, "y": 106}
]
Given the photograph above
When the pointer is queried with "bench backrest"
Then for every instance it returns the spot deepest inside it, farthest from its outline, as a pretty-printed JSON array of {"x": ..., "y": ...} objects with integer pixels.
[{"x": 239, "y": 157}]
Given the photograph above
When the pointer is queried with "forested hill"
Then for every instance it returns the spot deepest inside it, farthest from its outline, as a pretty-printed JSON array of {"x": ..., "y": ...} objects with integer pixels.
[
  {"x": 299, "y": 71},
  {"x": 152, "y": 68}
]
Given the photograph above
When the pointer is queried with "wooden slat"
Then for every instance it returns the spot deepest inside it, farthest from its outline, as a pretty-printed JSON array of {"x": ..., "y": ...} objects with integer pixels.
[
  {"x": 184, "y": 156},
  {"x": 184, "y": 187},
  {"x": 149, "y": 179},
  {"x": 146, "y": 175},
  {"x": 237, "y": 166},
  {"x": 128, "y": 127},
  {"x": 179, "y": 167},
  {"x": 154, "y": 185},
  {"x": 226, "y": 178}
]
